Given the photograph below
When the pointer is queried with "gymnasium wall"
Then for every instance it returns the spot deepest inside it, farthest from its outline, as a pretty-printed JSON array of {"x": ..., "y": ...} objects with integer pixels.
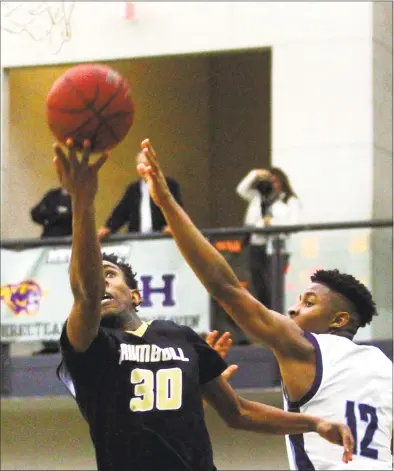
[
  {"x": 331, "y": 94},
  {"x": 321, "y": 78},
  {"x": 160, "y": 89},
  {"x": 207, "y": 115}
]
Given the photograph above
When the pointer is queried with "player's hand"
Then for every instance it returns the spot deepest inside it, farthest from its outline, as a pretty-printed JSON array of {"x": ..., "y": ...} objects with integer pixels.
[
  {"x": 222, "y": 345},
  {"x": 339, "y": 434},
  {"x": 151, "y": 172},
  {"x": 167, "y": 230},
  {"x": 103, "y": 232},
  {"x": 79, "y": 177},
  {"x": 229, "y": 371}
]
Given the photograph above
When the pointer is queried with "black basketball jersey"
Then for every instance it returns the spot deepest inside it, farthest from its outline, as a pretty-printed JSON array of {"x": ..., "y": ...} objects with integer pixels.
[{"x": 140, "y": 394}]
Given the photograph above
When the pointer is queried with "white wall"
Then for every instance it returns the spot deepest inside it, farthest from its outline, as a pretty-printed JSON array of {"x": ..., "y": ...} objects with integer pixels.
[
  {"x": 382, "y": 241},
  {"x": 322, "y": 77}
]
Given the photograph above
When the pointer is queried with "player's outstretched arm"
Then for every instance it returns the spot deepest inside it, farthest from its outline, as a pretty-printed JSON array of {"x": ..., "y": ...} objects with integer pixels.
[
  {"x": 79, "y": 176},
  {"x": 240, "y": 413},
  {"x": 275, "y": 330}
]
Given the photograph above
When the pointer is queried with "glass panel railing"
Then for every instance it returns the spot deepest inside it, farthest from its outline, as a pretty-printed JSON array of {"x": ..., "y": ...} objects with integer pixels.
[{"x": 367, "y": 254}]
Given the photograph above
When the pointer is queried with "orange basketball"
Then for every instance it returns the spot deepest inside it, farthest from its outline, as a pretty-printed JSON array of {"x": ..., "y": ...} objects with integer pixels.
[{"x": 90, "y": 102}]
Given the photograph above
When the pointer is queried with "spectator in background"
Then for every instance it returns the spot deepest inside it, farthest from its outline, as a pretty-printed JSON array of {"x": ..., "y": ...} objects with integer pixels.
[
  {"x": 54, "y": 213},
  {"x": 271, "y": 202},
  {"x": 137, "y": 209}
]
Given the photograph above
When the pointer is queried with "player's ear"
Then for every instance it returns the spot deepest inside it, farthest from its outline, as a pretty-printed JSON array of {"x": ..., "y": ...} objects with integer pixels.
[
  {"x": 136, "y": 295},
  {"x": 340, "y": 320}
]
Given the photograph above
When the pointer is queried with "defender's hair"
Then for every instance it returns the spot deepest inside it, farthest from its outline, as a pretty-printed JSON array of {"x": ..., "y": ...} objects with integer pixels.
[
  {"x": 128, "y": 273},
  {"x": 352, "y": 289}
]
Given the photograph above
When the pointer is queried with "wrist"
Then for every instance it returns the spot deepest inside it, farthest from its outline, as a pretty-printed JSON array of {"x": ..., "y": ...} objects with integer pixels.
[
  {"x": 314, "y": 423},
  {"x": 166, "y": 199},
  {"x": 82, "y": 207}
]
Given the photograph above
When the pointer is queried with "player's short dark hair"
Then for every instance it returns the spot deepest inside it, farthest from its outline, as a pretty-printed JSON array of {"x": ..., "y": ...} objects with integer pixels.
[
  {"x": 128, "y": 273},
  {"x": 352, "y": 289}
]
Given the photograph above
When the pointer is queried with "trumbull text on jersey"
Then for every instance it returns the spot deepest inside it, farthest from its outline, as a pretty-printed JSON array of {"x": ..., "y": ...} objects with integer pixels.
[{"x": 150, "y": 353}]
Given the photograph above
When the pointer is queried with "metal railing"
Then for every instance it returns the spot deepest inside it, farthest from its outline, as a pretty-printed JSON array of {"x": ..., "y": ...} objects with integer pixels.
[{"x": 225, "y": 231}]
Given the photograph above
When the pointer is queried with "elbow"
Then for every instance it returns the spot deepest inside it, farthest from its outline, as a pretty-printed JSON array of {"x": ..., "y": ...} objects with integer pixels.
[
  {"x": 235, "y": 420},
  {"x": 240, "y": 420}
]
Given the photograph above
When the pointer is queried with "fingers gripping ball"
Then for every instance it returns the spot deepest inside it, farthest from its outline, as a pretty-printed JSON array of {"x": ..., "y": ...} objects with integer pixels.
[{"x": 90, "y": 102}]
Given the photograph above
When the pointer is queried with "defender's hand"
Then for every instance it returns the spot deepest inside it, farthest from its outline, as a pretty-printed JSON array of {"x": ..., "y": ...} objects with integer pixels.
[
  {"x": 103, "y": 232},
  {"x": 151, "y": 172},
  {"x": 78, "y": 177},
  {"x": 222, "y": 346},
  {"x": 339, "y": 434}
]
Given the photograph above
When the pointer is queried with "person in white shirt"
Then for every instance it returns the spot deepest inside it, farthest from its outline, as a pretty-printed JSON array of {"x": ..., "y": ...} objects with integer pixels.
[
  {"x": 271, "y": 202},
  {"x": 137, "y": 210}
]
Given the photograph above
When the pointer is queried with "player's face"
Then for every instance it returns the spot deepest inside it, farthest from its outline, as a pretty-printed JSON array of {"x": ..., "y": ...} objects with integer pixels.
[
  {"x": 118, "y": 297},
  {"x": 314, "y": 311}
]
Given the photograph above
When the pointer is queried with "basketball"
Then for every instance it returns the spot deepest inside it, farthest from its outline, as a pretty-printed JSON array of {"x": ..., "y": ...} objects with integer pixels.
[{"x": 90, "y": 102}]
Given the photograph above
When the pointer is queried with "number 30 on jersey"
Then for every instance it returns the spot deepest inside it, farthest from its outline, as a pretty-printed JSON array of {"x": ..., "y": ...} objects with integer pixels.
[{"x": 161, "y": 390}]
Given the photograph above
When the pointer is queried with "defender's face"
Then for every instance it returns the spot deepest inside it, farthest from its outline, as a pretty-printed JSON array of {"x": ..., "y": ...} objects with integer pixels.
[
  {"x": 118, "y": 297},
  {"x": 314, "y": 311}
]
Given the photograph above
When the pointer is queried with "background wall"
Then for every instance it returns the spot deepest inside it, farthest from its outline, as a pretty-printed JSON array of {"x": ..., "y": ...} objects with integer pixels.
[
  {"x": 331, "y": 96},
  {"x": 208, "y": 117},
  {"x": 382, "y": 206},
  {"x": 50, "y": 434}
]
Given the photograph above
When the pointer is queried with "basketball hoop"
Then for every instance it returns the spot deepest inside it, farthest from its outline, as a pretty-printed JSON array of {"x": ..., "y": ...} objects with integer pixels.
[{"x": 40, "y": 20}]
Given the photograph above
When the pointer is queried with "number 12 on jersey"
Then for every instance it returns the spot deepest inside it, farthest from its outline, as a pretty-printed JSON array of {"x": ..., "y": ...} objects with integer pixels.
[
  {"x": 367, "y": 414},
  {"x": 161, "y": 390}
]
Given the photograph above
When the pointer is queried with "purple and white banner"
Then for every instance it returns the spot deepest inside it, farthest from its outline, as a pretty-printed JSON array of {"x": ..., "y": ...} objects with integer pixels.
[{"x": 36, "y": 296}]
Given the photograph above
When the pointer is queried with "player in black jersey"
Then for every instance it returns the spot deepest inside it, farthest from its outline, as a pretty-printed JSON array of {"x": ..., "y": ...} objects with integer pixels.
[{"x": 140, "y": 386}]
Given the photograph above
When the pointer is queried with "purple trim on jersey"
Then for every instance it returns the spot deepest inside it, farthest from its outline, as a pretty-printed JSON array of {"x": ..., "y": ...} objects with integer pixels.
[
  {"x": 301, "y": 458},
  {"x": 318, "y": 375}
]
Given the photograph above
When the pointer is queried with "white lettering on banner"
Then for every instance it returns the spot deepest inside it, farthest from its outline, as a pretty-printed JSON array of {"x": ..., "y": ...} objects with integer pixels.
[
  {"x": 61, "y": 255},
  {"x": 169, "y": 288},
  {"x": 149, "y": 353},
  {"x": 35, "y": 330}
]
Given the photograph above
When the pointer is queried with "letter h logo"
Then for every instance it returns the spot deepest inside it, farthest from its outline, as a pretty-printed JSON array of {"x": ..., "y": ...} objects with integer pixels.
[{"x": 167, "y": 290}]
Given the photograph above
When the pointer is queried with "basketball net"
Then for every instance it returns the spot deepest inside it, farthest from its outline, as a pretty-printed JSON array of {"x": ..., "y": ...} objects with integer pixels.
[{"x": 40, "y": 20}]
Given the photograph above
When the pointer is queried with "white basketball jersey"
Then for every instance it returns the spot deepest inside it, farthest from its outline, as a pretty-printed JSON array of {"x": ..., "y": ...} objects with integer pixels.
[{"x": 353, "y": 385}]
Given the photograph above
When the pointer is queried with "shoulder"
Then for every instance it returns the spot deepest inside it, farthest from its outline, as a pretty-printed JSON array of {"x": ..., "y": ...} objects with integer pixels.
[
  {"x": 169, "y": 327},
  {"x": 53, "y": 192},
  {"x": 105, "y": 341},
  {"x": 133, "y": 185}
]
